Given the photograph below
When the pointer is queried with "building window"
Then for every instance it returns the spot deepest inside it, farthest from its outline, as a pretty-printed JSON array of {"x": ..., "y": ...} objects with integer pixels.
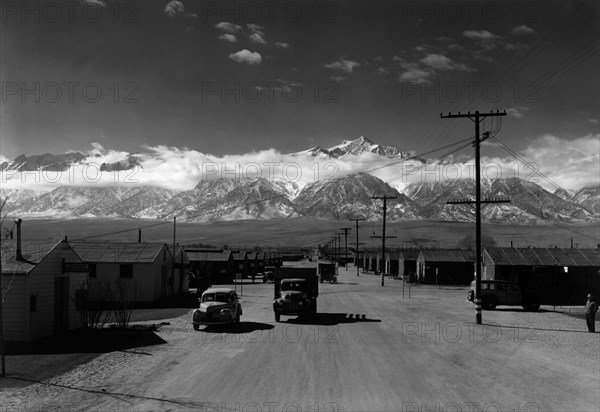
[
  {"x": 92, "y": 268},
  {"x": 126, "y": 271}
]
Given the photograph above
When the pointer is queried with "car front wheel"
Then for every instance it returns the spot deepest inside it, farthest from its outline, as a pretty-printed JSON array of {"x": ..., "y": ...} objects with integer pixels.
[{"x": 277, "y": 317}]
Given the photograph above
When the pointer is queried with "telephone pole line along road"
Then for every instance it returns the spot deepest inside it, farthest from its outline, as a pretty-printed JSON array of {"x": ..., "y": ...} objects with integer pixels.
[
  {"x": 477, "y": 118},
  {"x": 357, "y": 256},
  {"x": 383, "y": 237}
]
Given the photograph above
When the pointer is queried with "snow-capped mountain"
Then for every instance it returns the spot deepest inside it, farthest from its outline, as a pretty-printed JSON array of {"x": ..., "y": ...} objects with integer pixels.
[
  {"x": 351, "y": 197},
  {"x": 354, "y": 147},
  {"x": 73, "y": 201},
  {"x": 277, "y": 197},
  {"x": 590, "y": 198},
  {"x": 529, "y": 202},
  {"x": 225, "y": 199},
  {"x": 58, "y": 163}
]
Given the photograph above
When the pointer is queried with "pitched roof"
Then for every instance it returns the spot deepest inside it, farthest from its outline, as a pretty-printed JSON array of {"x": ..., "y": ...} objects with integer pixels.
[
  {"x": 448, "y": 255},
  {"x": 110, "y": 252},
  {"x": 216, "y": 256},
  {"x": 32, "y": 251},
  {"x": 506, "y": 256}
]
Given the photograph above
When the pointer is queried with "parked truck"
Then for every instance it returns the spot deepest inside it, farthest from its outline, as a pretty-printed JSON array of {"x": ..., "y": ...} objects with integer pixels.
[
  {"x": 296, "y": 291},
  {"x": 328, "y": 272}
]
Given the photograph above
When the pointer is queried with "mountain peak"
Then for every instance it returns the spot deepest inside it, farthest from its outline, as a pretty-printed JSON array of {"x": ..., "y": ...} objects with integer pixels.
[{"x": 354, "y": 148}]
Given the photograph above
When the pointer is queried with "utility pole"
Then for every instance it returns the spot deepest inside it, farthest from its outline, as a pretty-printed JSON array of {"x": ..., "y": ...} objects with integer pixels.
[
  {"x": 346, "y": 229},
  {"x": 339, "y": 249},
  {"x": 477, "y": 117},
  {"x": 174, "y": 253},
  {"x": 383, "y": 237},
  {"x": 357, "y": 244}
]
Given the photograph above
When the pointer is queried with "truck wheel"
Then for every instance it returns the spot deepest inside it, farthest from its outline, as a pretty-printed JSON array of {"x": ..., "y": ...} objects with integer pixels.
[
  {"x": 196, "y": 327},
  {"x": 277, "y": 317}
]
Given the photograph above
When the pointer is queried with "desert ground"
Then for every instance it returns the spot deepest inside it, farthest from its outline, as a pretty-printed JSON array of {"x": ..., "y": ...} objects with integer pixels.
[
  {"x": 369, "y": 348},
  {"x": 277, "y": 233}
]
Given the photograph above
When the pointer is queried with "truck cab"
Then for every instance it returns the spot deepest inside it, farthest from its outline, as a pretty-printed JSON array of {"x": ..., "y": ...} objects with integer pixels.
[{"x": 296, "y": 291}]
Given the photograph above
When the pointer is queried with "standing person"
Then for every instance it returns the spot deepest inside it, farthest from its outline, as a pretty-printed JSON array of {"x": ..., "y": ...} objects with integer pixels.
[{"x": 591, "y": 307}]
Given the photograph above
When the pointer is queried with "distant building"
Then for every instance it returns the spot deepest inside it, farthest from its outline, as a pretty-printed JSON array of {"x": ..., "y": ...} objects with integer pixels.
[
  {"x": 565, "y": 276},
  {"x": 407, "y": 262},
  {"x": 241, "y": 264},
  {"x": 182, "y": 267},
  {"x": 145, "y": 268},
  {"x": 252, "y": 264},
  {"x": 214, "y": 265},
  {"x": 446, "y": 266},
  {"x": 44, "y": 285}
]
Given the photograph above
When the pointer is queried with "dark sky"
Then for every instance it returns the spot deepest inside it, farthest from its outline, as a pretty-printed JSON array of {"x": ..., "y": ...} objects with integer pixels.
[{"x": 233, "y": 77}]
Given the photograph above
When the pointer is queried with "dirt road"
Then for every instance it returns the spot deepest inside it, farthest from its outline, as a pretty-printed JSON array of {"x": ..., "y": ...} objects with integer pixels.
[{"x": 368, "y": 349}]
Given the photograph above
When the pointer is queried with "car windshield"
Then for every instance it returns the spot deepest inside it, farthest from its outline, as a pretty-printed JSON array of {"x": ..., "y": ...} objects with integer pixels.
[
  {"x": 215, "y": 297},
  {"x": 292, "y": 286}
]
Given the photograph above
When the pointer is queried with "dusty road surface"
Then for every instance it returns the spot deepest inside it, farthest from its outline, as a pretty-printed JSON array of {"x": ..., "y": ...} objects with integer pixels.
[{"x": 368, "y": 349}]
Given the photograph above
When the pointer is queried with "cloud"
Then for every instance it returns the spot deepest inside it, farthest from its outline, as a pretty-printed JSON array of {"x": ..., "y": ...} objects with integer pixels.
[
  {"x": 228, "y": 37},
  {"x": 255, "y": 28},
  {"x": 99, "y": 3},
  {"x": 347, "y": 66},
  {"x": 246, "y": 56},
  {"x": 522, "y": 30},
  {"x": 174, "y": 8},
  {"x": 480, "y": 35},
  {"x": 227, "y": 27},
  {"x": 593, "y": 121},
  {"x": 257, "y": 38},
  {"x": 571, "y": 163},
  {"x": 441, "y": 62},
  {"x": 415, "y": 76},
  {"x": 282, "y": 45},
  {"x": 338, "y": 78},
  {"x": 517, "y": 112}
]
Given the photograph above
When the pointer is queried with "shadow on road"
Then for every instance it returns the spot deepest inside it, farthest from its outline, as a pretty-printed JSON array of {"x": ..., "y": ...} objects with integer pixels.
[
  {"x": 89, "y": 341},
  {"x": 242, "y": 327},
  {"x": 519, "y": 310},
  {"x": 544, "y": 329},
  {"x": 329, "y": 319},
  {"x": 122, "y": 396}
]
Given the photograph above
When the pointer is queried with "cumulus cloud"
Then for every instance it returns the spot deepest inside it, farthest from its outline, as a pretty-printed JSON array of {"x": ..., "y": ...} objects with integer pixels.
[
  {"x": 480, "y": 35},
  {"x": 441, "y": 62},
  {"x": 227, "y": 27},
  {"x": 257, "y": 38},
  {"x": 228, "y": 37},
  {"x": 282, "y": 45},
  {"x": 174, "y": 7},
  {"x": 415, "y": 76},
  {"x": 517, "y": 112},
  {"x": 347, "y": 66},
  {"x": 246, "y": 56},
  {"x": 99, "y": 3},
  {"x": 571, "y": 163},
  {"x": 522, "y": 30}
]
